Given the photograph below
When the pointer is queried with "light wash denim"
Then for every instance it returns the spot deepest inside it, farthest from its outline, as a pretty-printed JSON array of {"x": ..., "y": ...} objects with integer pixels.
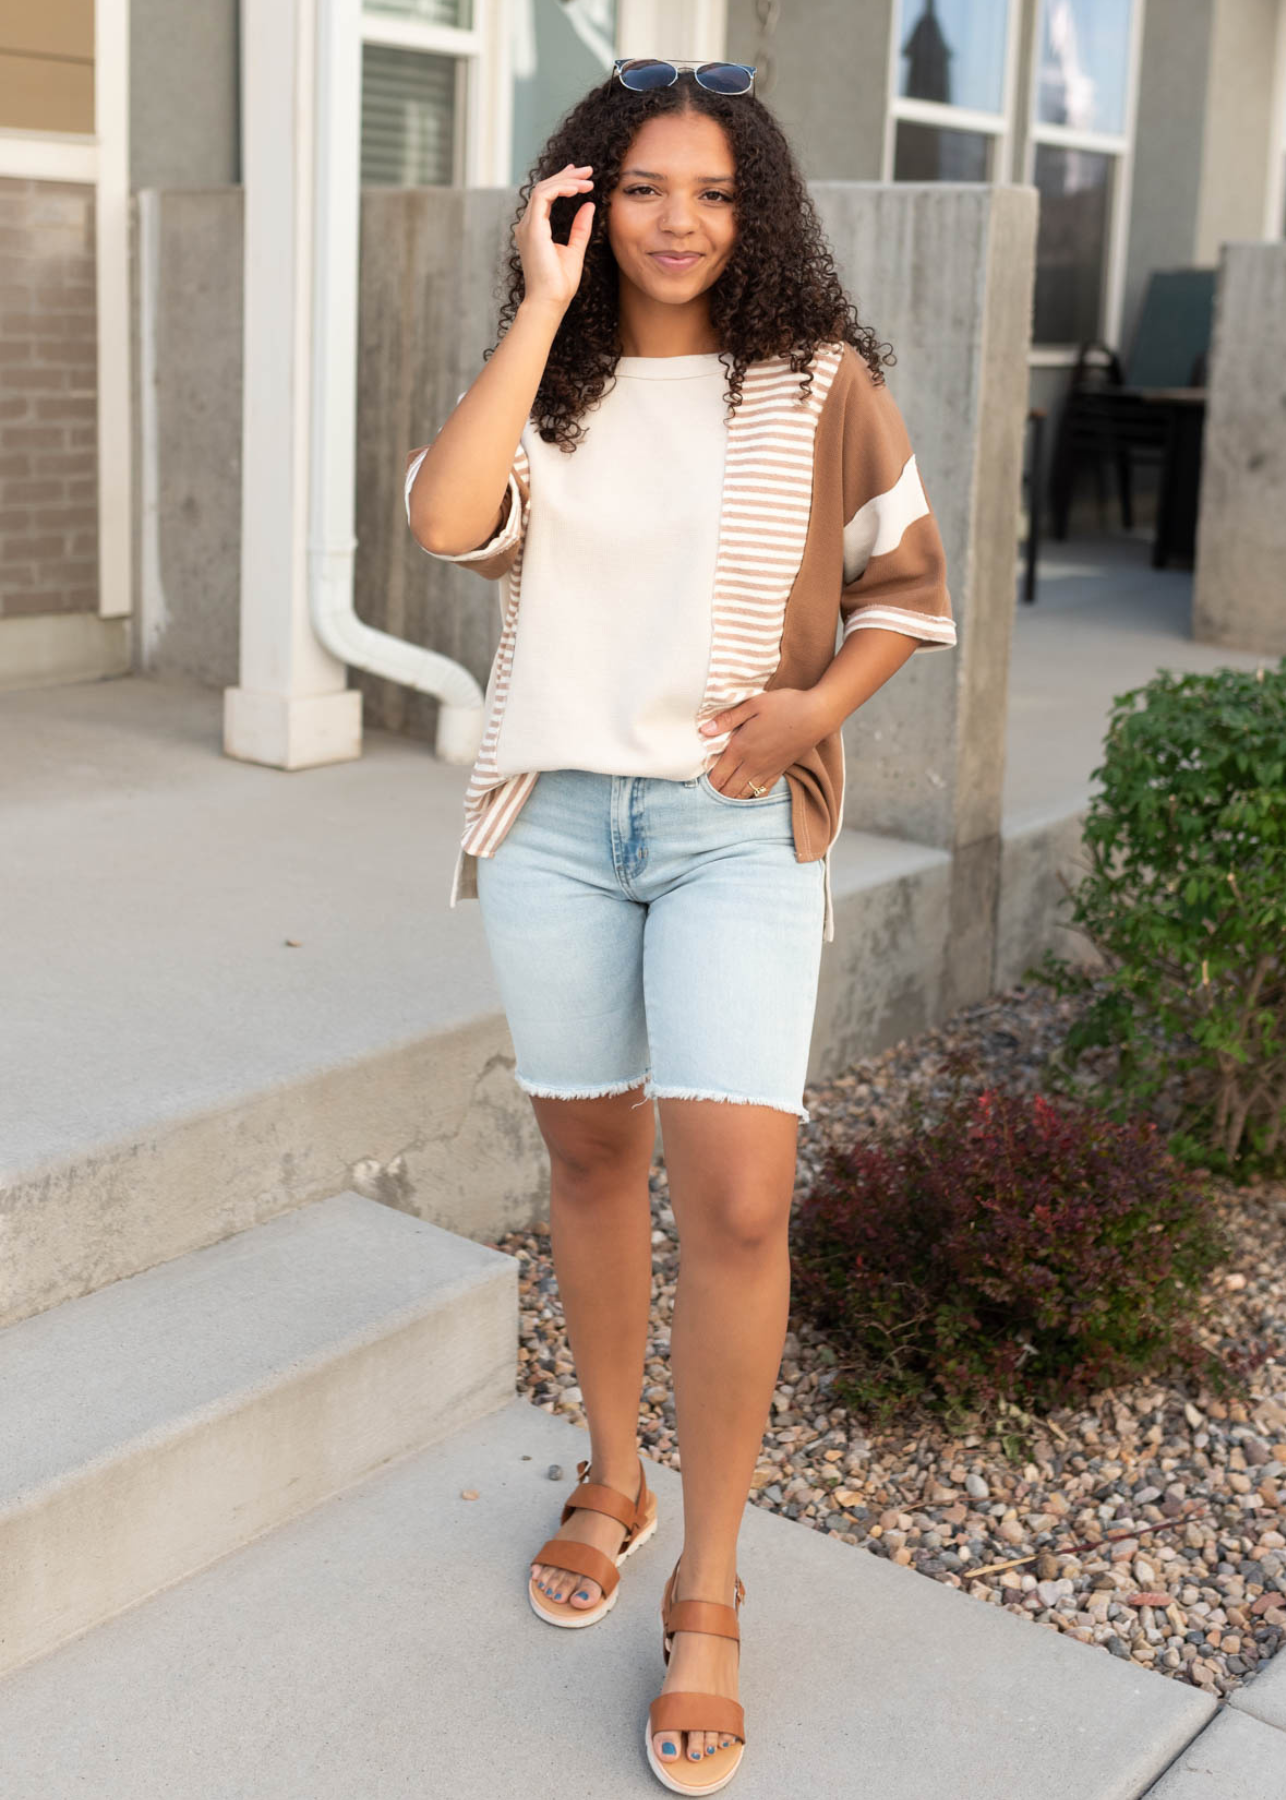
[{"x": 655, "y": 932}]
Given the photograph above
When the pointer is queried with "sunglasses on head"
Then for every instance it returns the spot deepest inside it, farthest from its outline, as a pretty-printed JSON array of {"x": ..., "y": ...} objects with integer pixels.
[{"x": 643, "y": 73}]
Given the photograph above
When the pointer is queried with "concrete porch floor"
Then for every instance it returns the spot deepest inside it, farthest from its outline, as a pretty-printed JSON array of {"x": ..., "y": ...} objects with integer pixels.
[{"x": 1104, "y": 621}]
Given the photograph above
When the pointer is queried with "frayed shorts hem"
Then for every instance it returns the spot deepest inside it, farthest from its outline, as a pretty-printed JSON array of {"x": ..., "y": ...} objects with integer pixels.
[
  {"x": 544, "y": 1090},
  {"x": 690, "y": 1093}
]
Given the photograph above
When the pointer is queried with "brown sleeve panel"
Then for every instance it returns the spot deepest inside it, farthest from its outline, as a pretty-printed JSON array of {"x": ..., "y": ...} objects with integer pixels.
[{"x": 912, "y": 577}]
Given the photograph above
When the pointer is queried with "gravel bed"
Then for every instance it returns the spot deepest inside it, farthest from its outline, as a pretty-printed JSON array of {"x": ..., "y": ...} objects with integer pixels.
[{"x": 1151, "y": 1522}]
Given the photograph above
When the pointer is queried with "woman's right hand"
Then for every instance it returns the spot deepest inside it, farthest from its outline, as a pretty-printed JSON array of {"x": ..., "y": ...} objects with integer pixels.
[{"x": 551, "y": 272}]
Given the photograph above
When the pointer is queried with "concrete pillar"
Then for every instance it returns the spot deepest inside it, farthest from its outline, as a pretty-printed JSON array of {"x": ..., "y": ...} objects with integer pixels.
[
  {"x": 944, "y": 272},
  {"x": 1239, "y": 591},
  {"x": 292, "y": 707}
]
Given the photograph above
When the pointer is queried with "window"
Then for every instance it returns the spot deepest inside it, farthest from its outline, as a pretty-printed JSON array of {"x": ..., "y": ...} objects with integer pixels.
[
  {"x": 951, "y": 82},
  {"x": 419, "y": 66},
  {"x": 408, "y": 117},
  {"x": 1083, "y": 86}
]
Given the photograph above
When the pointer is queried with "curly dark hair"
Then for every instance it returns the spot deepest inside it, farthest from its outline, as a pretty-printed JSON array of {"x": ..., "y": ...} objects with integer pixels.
[{"x": 779, "y": 294}]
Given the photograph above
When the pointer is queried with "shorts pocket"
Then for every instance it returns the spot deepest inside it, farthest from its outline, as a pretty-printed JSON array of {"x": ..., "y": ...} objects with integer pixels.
[{"x": 779, "y": 791}]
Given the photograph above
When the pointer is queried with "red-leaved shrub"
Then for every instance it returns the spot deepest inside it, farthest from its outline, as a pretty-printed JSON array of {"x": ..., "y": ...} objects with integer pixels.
[{"x": 1015, "y": 1248}]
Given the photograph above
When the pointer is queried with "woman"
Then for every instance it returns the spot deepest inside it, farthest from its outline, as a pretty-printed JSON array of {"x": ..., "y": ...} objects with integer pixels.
[{"x": 683, "y": 466}]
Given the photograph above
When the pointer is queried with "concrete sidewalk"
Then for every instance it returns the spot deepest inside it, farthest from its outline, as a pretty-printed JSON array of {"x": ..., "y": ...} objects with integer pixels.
[{"x": 383, "y": 1645}]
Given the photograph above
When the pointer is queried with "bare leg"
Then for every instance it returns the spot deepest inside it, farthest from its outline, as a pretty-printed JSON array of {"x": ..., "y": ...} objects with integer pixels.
[
  {"x": 601, "y": 1236},
  {"x": 732, "y": 1171}
]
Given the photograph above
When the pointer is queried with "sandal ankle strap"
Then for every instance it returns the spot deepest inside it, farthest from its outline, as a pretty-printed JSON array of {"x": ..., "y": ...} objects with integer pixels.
[
  {"x": 595, "y": 1496},
  {"x": 703, "y": 1615},
  {"x": 711, "y": 1616}
]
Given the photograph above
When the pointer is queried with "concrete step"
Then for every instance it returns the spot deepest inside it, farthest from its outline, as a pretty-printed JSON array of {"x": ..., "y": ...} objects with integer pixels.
[
  {"x": 158, "y": 1423},
  {"x": 383, "y": 1644}
]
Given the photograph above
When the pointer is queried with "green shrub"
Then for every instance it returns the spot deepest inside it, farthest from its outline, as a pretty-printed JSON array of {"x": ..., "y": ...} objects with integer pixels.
[
  {"x": 1016, "y": 1249},
  {"x": 1185, "y": 901}
]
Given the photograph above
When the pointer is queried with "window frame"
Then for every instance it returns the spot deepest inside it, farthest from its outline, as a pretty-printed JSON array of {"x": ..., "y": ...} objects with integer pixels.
[
  {"x": 1119, "y": 146},
  {"x": 483, "y": 80},
  {"x": 947, "y": 117}
]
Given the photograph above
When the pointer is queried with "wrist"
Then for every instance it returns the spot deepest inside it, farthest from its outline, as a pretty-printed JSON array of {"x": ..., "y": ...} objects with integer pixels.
[
  {"x": 547, "y": 314},
  {"x": 824, "y": 710}
]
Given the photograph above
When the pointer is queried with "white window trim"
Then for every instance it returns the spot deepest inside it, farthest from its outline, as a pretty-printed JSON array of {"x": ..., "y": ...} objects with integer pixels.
[
  {"x": 1275, "y": 188},
  {"x": 1117, "y": 145},
  {"x": 998, "y": 125},
  {"x": 48, "y": 156},
  {"x": 112, "y": 293}
]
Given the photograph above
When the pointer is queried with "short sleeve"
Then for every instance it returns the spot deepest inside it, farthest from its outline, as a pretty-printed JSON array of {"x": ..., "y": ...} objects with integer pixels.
[
  {"x": 498, "y": 555},
  {"x": 894, "y": 562}
]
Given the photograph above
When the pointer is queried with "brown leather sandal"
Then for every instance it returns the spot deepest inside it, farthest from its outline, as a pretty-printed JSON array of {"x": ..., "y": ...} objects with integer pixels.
[
  {"x": 680, "y": 1711},
  {"x": 639, "y": 1519}
]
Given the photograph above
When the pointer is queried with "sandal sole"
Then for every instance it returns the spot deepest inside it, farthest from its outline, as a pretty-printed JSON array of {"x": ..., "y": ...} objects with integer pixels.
[
  {"x": 569, "y": 1619},
  {"x": 662, "y": 1770}
]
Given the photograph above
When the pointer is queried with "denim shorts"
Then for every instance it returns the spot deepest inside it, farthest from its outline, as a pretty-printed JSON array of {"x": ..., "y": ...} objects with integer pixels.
[{"x": 655, "y": 932}]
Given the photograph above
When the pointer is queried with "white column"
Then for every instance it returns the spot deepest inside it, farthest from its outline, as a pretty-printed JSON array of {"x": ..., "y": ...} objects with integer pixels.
[
  {"x": 291, "y": 708},
  {"x": 112, "y": 253}
]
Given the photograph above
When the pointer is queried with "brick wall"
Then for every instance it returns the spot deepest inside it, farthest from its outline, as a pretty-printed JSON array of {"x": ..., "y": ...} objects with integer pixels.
[{"x": 48, "y": 369}]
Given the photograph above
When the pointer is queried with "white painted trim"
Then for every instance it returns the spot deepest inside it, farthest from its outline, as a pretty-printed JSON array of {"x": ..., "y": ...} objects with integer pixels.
[
  {"x": 48, "y": 156},
  {"x": 950, "y": 118},
  {"x": 1275, "y": 187},
  {"x": 1067, "y": 137},
  {"x": 153, "y": 609},
  {"x": 488, "y": 106},
  {"x": 1051, "y": 356},
  {"x": 892, "y": 58},
  {"x": 411, "y": 34},
  {"x": 112, "y": 249},
  {"x": 1008, "y": 144},
  {"x": 1123, "y": 190}
]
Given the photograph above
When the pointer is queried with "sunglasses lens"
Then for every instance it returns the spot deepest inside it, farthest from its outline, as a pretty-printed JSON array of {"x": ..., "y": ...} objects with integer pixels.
[
  {"x": 725, "y": 78},
  {"x": 646, "y": 72}
]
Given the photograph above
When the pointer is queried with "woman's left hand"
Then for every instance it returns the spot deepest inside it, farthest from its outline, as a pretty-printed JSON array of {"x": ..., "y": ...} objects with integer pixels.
[{"x": 769, "y": 732}]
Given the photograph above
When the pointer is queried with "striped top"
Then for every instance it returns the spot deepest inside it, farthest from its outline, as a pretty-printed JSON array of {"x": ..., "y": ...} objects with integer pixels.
[{"x": 821, "y": 528}]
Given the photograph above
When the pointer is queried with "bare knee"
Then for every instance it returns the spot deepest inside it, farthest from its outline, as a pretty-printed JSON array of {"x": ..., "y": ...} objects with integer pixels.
[
  {"x": 593, "y": 1142},
  {"x": 735, "y": 1223}
]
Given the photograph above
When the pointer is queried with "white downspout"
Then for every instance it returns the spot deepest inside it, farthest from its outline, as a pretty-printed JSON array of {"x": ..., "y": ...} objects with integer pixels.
[{"x": 335, "y": 218}]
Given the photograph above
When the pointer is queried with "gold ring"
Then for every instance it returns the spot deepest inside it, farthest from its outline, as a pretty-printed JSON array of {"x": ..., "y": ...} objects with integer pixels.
[{"x": 756, "y": 790}]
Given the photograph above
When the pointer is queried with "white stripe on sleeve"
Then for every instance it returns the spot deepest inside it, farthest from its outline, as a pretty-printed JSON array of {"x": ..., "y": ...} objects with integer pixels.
[{"x": 879, "y": 525}]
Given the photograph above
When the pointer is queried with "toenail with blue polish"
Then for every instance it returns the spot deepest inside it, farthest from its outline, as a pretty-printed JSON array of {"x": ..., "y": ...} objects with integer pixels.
[
  {"x": 668, "y": 1749},
  {"x": 583, "y": 1594},
  {"x": 709, "y": 1749}
]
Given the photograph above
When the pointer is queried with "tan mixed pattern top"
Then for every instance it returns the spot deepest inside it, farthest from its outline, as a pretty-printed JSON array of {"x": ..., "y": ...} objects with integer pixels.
[{"x": 824, "y": 528}]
